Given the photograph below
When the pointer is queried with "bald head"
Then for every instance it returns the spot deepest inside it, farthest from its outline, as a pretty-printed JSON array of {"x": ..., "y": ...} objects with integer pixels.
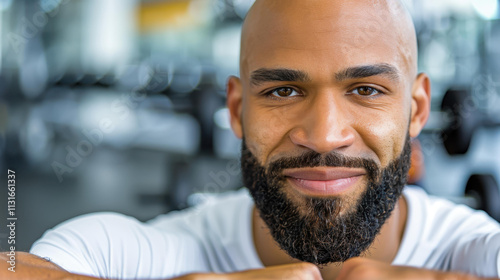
[
  {"x": 339, "y": 31},
  {"x": 317, "y": 71}
]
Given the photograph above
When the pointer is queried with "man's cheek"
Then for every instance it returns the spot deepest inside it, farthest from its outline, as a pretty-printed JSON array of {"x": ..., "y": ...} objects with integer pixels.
[
  {"x": 264, "y": 131},
  {"x": 257, "y": 137},
  {"x": 384, "y": 138}
]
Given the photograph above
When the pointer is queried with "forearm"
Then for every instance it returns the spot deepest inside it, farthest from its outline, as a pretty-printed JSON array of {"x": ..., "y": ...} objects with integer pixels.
[
  {"x": 28, "y": 266},
  {"x": 31, "y": 267},
  {"x": 362, "y": 268}
]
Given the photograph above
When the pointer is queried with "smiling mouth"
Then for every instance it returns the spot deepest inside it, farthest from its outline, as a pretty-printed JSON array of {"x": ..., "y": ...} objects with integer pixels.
[{"x": 324, "y": 181}]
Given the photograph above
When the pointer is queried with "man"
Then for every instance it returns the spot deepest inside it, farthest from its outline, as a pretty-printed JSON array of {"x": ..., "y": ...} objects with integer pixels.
[{"x": 327, "y": 101}]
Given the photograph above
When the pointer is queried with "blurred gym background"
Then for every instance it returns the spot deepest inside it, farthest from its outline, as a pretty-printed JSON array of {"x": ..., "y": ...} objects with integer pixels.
[{"x": 118, "y": 105}]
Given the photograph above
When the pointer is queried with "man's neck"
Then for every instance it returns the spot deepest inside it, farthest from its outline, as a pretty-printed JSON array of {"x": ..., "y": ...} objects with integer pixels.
[{"x": 383, "y": 249}]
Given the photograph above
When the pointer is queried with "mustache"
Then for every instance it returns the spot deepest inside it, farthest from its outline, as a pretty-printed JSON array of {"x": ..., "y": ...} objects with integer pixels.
[{"x": 314, "y": 159}]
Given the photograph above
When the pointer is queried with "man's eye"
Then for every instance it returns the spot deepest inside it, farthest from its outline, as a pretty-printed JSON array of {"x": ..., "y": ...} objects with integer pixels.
[
  {"x": 366, "y": 91},
  {"x": 284, "y": 92}
]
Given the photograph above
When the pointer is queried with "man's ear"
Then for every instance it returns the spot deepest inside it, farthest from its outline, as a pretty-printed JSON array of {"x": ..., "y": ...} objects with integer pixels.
[
  {"x": 234, "y": 93},
  {"x": 420, "y": 104}
]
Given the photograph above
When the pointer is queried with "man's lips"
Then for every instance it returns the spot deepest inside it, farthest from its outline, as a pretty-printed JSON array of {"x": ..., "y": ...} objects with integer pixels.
[
  {"x": 324, "y": 173},
  {"x": 324, "y": 180}
]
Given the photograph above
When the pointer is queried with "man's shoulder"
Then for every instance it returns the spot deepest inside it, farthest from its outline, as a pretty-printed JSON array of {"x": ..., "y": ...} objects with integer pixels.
[
  {"x": 87, "y": 244},
  {"x": 217, "y": 208},
  {"x": 439, "y": 214},
  {"x": 78, "y": 244},
  {"x": 431, "y": 207},
  {"x": 436, "y": 227}
]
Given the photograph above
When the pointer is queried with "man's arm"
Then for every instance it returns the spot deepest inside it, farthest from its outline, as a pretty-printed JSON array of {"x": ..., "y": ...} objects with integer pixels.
[
  {"x": 32, "y": 267},
  {"x": 29, "y": 266},
  {"x": 362, "y": 268}
]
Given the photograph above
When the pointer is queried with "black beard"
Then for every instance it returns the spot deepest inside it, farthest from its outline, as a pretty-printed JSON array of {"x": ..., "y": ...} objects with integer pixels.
[{"x": 322, "y": 236}]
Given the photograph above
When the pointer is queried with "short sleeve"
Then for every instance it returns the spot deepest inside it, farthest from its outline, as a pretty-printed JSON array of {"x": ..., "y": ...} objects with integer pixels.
[
  {"x": 445, "y": 236},
  {"x": 478, "y": 255},
  {"x": 109, "y": 245}
]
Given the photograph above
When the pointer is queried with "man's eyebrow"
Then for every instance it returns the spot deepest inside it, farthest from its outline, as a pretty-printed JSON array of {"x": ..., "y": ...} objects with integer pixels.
[
  {"x": 278, "y": 75},
  {"x": 365, "y": 71}
]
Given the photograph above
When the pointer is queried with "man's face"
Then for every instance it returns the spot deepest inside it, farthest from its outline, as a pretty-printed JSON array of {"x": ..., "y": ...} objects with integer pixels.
[{"x": 324, "y": 79}]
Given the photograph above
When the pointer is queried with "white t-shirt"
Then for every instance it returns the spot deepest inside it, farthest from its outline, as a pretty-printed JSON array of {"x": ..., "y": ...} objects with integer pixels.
[{"x": 217, "y": 237}]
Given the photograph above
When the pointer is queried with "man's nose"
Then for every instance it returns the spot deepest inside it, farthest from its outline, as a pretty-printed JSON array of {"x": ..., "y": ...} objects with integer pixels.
[{"x": 325, "y": 125}]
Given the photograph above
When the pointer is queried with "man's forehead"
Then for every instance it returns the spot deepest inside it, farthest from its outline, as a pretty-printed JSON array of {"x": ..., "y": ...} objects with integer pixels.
[{"x": 292, "y": 31}]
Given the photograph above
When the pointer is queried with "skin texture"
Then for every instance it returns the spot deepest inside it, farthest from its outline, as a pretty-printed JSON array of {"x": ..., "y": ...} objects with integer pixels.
[{"x": 32, "y": 267}]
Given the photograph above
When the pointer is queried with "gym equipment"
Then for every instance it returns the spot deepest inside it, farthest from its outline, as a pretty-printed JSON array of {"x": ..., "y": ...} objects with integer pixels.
[
  {"x": 482, "y": 192},
  {"x": 463, "y": 117},
  {"x": 484, "y": 189}
]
